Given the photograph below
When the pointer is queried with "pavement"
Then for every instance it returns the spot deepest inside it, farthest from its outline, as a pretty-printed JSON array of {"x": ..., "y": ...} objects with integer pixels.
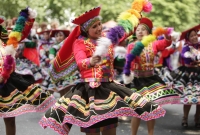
[{"x": 27, "y": 124}]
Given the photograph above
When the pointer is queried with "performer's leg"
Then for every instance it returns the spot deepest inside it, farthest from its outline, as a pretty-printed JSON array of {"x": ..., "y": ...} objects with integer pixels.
[
  {"x": 10, "y": 125},
  {"x": 150, "y": 125},
  {"x": 186, "y": 110},
  {"x": 197, "y": 116},
  {"x": 135, "y": 122},
  {"x": 109, "y": 132}
]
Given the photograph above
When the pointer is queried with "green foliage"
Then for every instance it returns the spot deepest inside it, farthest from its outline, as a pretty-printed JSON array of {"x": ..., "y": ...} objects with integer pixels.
[{"x": 180, "y": 14}]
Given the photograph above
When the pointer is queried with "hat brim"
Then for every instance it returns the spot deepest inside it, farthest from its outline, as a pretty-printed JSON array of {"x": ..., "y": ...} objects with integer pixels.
[
  {"x": 147, "y": 22},
  {"x": 2, "y": 19},
  {"x": 183, "y": 34},
  {"x": 53, "y": 32},
  {"x": 87, "y": 16},
  {"x": 42, "y": 32}
]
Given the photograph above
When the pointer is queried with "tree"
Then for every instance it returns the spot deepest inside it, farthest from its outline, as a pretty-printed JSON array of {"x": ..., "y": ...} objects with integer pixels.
[{"x": 180, "y": 14}]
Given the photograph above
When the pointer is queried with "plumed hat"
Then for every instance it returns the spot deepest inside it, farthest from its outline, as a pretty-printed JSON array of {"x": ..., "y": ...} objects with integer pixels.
[
  {"x": 185, "y": 34},
  {"x": 147, "y": 22},
  {"x": 53, "y": 32},
  {"x": 87, "y": 16}
]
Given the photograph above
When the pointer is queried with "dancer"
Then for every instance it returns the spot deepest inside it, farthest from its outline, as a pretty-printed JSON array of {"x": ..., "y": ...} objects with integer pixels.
[
  {"x": 186, "y": 78},
  {"x": 96, "y": 102},
  {"x": 63, "y": 86},
  {"x": 145, "y": 81},
  {"x": 18, "y": 93}
]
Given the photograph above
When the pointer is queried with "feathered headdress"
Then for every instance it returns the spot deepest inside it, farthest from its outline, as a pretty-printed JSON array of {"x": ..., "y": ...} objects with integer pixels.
[
  {"x": 127, "y": 21},
  {"x": 64, "y": 63},
  {"x": 8, "y": 51}
]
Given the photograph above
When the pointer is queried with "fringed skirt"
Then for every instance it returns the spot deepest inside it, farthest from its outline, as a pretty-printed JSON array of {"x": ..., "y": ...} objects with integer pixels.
[
  {"x": 48, "y": 84},
  {"x": 186, "y": 82},
  {"x": 19, "y": 95},
  {"x": 26, "y": 67},
  {"x": 89, "y": 107},
  {"x": 154, "y": 88}
]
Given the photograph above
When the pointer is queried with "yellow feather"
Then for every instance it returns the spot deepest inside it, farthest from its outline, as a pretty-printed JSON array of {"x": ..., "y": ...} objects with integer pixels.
[
  {"x": 146, "y": 40},
  {"x": 17, "y": 35},
  {"x": 134, "y": 20},
  {"x": 124, "y": 15},
  {"x": 134, "y": 12}
]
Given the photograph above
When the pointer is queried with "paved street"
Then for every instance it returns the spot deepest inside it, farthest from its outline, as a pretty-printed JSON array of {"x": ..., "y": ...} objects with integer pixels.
[{"x": 169, "y": 125}]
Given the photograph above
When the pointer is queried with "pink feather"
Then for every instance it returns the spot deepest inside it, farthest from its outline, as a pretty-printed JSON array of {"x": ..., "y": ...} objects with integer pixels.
[
  {"x": 147, "y": 7},
  {"x": 8, "y": 66},
  {"x": 169, "y": 30}
]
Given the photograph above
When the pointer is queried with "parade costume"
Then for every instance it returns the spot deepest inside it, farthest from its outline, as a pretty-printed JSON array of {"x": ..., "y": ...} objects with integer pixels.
[
  {"x": 44, "y": 46},
  {"x": 144, "y": 79},
  {"x": 27, "y": 60},
  {"x": 186, "y": 78},
  {"x": 96, "y": 102},
  {"x": 68, "y": 81},
  {"x": 18, "y": 93},
  {"x": 119, "y": 61}
]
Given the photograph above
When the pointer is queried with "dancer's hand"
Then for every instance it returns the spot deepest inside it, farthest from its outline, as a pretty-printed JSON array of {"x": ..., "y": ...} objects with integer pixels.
[{"x": 94, "y": 60}]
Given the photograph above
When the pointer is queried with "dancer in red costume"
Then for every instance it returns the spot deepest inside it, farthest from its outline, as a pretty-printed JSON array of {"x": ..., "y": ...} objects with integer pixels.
[
  {"x": 18, "y": 94},
  {"x": 96, "y": 102},
  {"x": 139, "y": 72}
]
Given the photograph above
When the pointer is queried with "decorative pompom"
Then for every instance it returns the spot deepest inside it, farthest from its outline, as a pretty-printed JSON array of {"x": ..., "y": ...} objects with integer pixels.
[
  {"x": 169, "y": 30},
  {"x": 102, "y": 46},
  {"x": 159, "y": 31},
  {"x": 126, "y": 25},
  {"x": 10, "y": 50},
  {"x": 128, "y": 16},
  {"x": 24, "y": 13},
  {"x": 12, "y": 41},
  {"x": 5, "y": 75},
  {"x": 32, "y": 13},
  {"x": 119, "y": 49},
  {"x": 137, "y": 48},
  {"x": 175, "y": 36},
  {"x": 147, "y": 7},
  {"x": 124, "y": 15},
  {"x": 18, "y": 28},
  {"x": 115, "y": 34},
  {"x": 134, "y": 12},
  {"x": 15, "y": 34},
  {"x": 146, "y": 40},
  {"x": 138, "y": 5},
  {"x": 160, "y": 37},
  {"x": 8, "y": 63},
  {"x": 128, "y": 78},
  {"x": 133, "y": 20},
  {"x": 8, "y": 66},
  {"x": 129, "y": 58},
  {"x": 127, "y": 71},
  {"x": 21, "y": 20}
]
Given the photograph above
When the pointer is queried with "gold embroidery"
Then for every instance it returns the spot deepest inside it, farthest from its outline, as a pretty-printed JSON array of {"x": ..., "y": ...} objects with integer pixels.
[{"x": 147, "y": 58}]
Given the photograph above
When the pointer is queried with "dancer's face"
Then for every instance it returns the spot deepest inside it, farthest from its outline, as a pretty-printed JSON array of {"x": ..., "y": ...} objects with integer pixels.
[
  {"x": 46, "y": 36},
  {"x": 141, "y": 31},
  {"x": 94, "y": 32},
  {"x": 60, "y": 37},
  {"x": 193, "y": 37}
]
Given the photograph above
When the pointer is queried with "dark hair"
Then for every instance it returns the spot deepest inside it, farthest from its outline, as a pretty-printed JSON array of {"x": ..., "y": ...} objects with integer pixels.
[
  {"x": 83, "y": 33},
  {"x": 188, "y": 34},
  {"x": 60, "y": 32}
]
